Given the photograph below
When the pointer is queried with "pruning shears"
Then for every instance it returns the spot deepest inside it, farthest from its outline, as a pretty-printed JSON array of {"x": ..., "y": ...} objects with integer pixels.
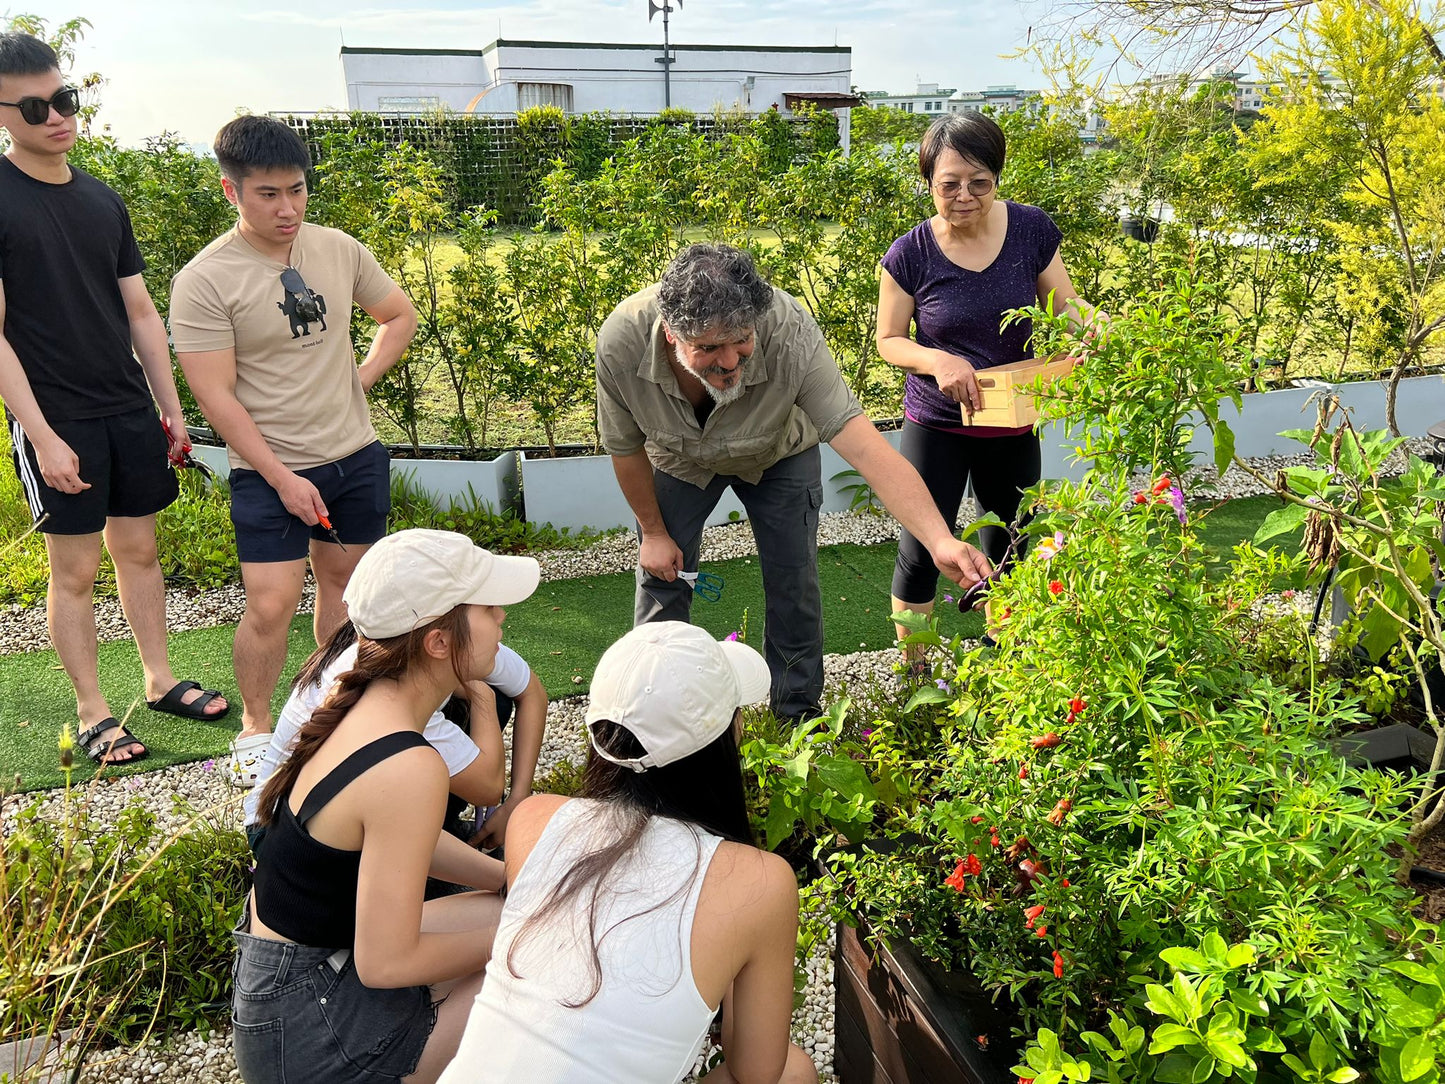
[
  {"x": 705, "y": 584},
  {"x": 326, "y": 523},
  {"x": 183, "y": 460}
]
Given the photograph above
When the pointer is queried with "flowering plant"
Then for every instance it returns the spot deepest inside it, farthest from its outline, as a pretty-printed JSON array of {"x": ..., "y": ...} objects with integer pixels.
[{"x": 1116, "y": 791}]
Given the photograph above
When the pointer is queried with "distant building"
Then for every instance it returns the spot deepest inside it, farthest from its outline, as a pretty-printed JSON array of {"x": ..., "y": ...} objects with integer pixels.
[
  {"x": 929, "y": 98},
  {"x": 583, "y": 77},
  {"x": 1000, "y": 99}
]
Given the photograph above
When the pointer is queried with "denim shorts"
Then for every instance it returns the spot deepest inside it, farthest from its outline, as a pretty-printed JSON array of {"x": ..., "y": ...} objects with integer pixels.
[{"x": 300, "y": 1014}]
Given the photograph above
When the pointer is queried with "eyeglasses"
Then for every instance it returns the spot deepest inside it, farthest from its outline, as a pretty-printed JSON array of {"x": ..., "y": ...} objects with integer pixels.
[
  {"x": 309, "y": 307},
  {"x": 979, "y": 186},
  {"x": 66, "y": 102}
]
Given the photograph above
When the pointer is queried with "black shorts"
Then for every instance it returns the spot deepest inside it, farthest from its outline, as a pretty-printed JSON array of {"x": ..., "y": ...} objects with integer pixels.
[
  {"x": 357, "y": 494},
  {"x": 122, "y": 457}
]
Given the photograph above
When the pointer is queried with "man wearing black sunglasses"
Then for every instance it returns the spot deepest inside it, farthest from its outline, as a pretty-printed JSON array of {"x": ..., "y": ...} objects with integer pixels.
[
  {"x": 261, "y": 324},
  {"x": 90, "y": 452}
]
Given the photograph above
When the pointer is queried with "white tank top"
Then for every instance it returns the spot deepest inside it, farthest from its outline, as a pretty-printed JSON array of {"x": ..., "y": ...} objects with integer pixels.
[{"x": 647, "y": 1022}]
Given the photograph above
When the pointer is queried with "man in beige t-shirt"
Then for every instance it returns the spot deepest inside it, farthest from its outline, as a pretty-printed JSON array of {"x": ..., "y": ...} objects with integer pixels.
[
  {"x": 713, "y": 379},
  {"x": 261, "y": 321}
]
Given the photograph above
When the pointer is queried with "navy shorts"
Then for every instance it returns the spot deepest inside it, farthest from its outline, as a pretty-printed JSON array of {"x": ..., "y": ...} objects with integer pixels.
[
  {"x": 357, "y": 494},
  {"x": 300, "y": 1014},
  {"x": 123, "y": 457}
]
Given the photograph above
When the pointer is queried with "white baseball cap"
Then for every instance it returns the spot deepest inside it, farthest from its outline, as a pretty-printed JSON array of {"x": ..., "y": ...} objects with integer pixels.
[
  {"x": 674, "y": 688},
  {"x": 416, "y": 576}
]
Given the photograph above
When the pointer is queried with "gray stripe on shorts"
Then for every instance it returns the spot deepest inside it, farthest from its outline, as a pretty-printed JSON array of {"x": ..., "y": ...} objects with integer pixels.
[{"x": 28, "y": 481}]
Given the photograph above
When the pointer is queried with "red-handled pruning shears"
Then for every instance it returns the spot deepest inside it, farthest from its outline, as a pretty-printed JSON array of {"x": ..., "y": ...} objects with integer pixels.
[
  {"x": 326, "y": 522},
  {"x": 183, "y": 458}
]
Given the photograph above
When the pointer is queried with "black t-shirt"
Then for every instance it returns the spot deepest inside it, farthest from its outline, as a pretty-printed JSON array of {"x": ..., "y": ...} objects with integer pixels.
[{"x": 63, "y": 248}]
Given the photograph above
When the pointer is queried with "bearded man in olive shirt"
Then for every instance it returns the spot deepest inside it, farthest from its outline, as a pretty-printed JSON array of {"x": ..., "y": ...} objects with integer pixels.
[{"x": 713, "y": 378}]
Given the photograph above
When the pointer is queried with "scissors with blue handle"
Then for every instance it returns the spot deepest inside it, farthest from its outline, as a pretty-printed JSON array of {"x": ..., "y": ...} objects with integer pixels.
[{"x": 704, "y": 583}]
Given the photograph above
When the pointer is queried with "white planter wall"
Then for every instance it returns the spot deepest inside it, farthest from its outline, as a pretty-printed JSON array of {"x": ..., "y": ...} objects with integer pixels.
[{"x": 582, "y": 491}]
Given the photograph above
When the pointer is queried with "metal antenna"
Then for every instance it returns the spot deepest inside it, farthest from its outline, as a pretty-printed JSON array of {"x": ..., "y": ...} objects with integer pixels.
[{"x": 666, "y": 60}]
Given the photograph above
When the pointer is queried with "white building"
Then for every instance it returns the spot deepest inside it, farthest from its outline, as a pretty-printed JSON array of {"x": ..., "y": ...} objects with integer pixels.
[
  {"x": 999, "y": 99},
  {"x": 583, "y": 77},
  {"x": 928, "y": 98}
]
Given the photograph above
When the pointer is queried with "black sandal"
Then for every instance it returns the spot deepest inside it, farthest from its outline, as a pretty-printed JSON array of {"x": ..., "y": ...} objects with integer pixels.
[{"x": 97, "y": 747}]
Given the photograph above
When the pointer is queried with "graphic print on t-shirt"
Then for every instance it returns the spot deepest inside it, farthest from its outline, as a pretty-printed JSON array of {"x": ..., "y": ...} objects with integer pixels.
[{"x": 302, "y": 307}]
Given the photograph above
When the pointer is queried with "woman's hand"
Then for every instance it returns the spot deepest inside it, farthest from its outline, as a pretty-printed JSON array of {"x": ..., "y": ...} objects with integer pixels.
[{"x": 956, "y": 379}]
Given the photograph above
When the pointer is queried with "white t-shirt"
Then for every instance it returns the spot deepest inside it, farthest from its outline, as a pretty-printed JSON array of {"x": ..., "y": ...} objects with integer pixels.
[{"x": 510, "y": 674}]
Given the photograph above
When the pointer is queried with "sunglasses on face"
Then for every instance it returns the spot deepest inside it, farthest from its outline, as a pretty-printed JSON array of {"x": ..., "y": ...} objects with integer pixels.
[
  {"x": 979, "y": 186},
  {"x": 66, "y": 102}
]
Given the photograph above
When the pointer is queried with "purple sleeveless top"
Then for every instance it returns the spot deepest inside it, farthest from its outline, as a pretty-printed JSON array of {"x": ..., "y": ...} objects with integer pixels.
[{"x": 959, "y": 310}]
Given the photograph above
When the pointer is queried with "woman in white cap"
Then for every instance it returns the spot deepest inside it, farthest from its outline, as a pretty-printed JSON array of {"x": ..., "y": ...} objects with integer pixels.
[
  {"x": 634, "y": 911},
  {"x": 342, "y": 971}
]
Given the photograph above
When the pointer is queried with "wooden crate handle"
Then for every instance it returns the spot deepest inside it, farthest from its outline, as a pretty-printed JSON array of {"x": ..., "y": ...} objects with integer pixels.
[{"x": 986, "y": 382}]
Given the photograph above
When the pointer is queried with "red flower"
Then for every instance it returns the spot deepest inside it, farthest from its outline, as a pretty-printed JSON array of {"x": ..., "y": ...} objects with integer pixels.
[
  {"x": 1058, "y": 965},
  {"x": 1161, "y": 485},
  {"x": 995, "y": 840},
  {"x": 1140, "y": 498},
  {"x": 1060, "y": 811},
  {"x": 1064, "y": 883},
  {"x": 1026, "y": 1080},
  {"x": 1069, "y": 718},
  {"x": 1077, "y": 705},
  {"x": 976, "y": 820},
  {"x": 1045, "y": 741},
  {"x": 1055, "y": 587},
  {"x": 1032, "y": 914},
  {"x": 1023, "y": 771},
  {"x": 955, "y": 879},
  {"x": 1042, "y": 931}
]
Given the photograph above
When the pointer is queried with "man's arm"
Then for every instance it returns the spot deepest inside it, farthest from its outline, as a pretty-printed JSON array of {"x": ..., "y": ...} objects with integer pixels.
[
  {"x": 59, "y": 465},
  {"x": 211, "y": 375},
  {"x": 659, "y": 555},
  {"x": 148, "y": 339},
  {"x": 903, "y": 493},
  {"x": 396, "y": 317}
]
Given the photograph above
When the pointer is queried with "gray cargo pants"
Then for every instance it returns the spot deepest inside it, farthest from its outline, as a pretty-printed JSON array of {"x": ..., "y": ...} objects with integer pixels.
[{"x": 783, "y": 512}]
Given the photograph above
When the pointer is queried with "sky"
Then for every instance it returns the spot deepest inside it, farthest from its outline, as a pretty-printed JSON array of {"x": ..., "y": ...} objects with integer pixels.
[{"x": 188, "y": 66}]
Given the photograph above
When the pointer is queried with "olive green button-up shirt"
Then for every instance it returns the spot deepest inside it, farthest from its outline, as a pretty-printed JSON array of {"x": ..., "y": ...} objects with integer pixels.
[{"x": 793, "y": 395}]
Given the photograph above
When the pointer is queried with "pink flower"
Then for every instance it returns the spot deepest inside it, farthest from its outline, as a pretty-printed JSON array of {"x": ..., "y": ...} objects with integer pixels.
[
  {"x": 1176, "y": 498},
  {"x": 732, "y": 637}
]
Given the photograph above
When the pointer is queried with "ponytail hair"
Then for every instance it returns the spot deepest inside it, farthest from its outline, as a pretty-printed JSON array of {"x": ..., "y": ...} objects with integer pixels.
[{"x": 375, "y": 659}]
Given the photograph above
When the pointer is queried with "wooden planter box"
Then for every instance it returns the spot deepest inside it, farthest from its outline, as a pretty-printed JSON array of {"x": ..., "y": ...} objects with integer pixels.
[
  {"x": 902, "y": 1020},
  {"x": 1007, "y": 391}
]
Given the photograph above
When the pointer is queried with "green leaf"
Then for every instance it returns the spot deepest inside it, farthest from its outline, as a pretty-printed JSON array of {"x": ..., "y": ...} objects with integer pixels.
[
  {"x": 779, "y": 821},
  {"x": 1248, "y": 1002},
  {"x": 1239, "y": 956},
  {"x": 1417, "y": 1057},
  {"x": 928, "y": 694},
  {"x": 1203, "y": 1069},
  {"x": 1280, "y": 521},
  {"x": 1223, "y": 445},
  {"x": 1405, "y": 1011},
  {"x": 845, "y": 776},
  {"x": 1175, "y": 1069},
  {"x": 1163, "y": 1002},
  {"x": 1320, "y": 1053},
  {"x": 1184, "y": 959},
  {"x": 1168, "y": 1036},
  {"x": 1381, "y": 631},
  {"x": 1343, "y": 1076},
  {"x": 1411, "y": 970},
  {"x": 1264, "y": 1041}
]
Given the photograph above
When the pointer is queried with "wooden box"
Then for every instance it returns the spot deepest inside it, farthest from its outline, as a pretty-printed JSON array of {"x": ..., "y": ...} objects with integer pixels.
[{"x": 1007, "y": 391}]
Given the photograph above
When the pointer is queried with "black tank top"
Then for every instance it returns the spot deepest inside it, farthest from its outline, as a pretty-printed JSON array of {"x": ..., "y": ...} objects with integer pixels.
[{"x": 305, "y": 890}]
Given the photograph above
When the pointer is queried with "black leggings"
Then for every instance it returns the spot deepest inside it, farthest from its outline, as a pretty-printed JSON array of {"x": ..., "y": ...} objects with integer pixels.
[{"x": 1000, "y": 469}]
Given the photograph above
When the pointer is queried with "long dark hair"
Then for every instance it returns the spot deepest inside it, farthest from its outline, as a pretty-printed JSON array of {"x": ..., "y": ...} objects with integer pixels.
[
  {"x": 389, "y": 658},
  {"x": 321, "y": 659},
  {"x": 704, "y": 790}
]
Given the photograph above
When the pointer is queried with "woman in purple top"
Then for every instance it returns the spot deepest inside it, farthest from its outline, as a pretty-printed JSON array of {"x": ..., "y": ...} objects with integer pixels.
[{"x": 952, "y": 278}]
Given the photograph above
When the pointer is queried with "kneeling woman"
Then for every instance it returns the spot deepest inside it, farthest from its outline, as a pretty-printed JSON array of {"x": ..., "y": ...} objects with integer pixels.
[
  {"x": 343, "y": 972},
  {"x": 634, "y": 911}
]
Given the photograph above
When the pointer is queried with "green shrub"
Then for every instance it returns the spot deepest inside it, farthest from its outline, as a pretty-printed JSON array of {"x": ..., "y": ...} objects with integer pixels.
[{"x": 116, "y": 928}]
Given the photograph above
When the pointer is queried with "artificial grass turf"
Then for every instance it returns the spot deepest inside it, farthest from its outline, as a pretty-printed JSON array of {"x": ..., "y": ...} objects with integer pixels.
[{"x": 561, "y": 631}]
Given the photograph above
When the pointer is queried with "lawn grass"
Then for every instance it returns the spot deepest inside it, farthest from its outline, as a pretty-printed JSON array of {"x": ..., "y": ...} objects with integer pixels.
[{"x": 561, "y": 631}]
